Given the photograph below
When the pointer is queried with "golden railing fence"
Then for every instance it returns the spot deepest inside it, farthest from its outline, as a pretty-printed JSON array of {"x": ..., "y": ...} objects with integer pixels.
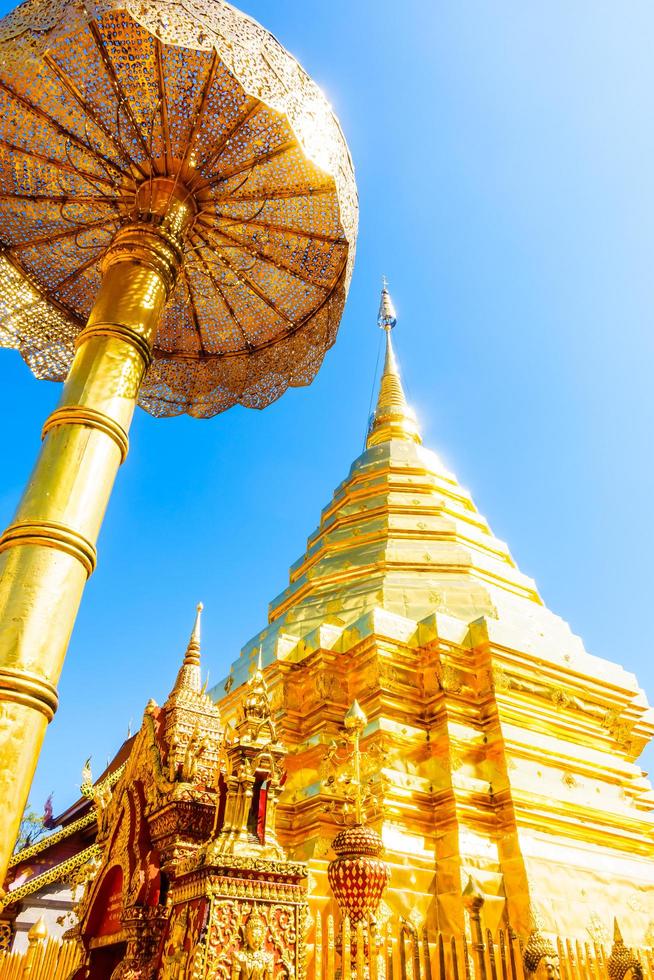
[
  {"x": 44, "y": 959},
  {"x": 399, "y": 950}
]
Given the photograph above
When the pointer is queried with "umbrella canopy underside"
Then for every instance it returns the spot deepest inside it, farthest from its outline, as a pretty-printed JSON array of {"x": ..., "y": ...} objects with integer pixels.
[{"x": 96, "y": 102}]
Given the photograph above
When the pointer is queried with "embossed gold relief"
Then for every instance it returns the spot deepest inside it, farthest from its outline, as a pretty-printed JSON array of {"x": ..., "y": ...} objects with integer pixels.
[
  {"x": 179, "y": 945},
  {"x": 254, "y": 962},
  {"x": 253, "y": 941}
]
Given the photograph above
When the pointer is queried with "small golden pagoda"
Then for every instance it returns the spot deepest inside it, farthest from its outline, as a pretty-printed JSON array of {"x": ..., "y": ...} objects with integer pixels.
[{"x": 500, "y": 754}]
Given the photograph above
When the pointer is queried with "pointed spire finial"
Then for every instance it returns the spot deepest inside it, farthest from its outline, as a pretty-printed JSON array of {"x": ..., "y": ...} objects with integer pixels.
[
  {"x": 355, "y": 717},
  {"x": 387, "y": 317},
  {"x": 192, "y": 656},
  {"x": 38, "y": 932},
  {"x": 189, "y": 678},
  {"x": 392, "y": 419}
]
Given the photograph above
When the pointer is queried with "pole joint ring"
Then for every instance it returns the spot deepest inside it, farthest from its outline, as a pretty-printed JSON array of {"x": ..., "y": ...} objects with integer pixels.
[
  {"x": 49, "y": 534},
  {"x": 31, "y": 690},
  {"x": 119, "y": 332},
  {"x": 81, "y": 415}
]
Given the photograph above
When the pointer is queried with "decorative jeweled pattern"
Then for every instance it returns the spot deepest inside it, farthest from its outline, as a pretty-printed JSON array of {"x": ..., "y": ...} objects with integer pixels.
[
  {"x": 357, "y": 876},
  {"x": 95, "y": 102}
]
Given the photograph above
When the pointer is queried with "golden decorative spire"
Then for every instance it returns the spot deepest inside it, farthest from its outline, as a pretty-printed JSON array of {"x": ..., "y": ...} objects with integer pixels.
[
  {"x": 393, "y": 418},
  {"x": 350, "y": 769},
  {"x": 355, "y": 723},
  {"x": 400, "y": 534},
  {"x": 189, "y": 677}
]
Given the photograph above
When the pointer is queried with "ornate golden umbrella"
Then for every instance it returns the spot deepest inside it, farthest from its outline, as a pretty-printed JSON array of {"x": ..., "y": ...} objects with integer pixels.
[{"x": 177, "y": 227}]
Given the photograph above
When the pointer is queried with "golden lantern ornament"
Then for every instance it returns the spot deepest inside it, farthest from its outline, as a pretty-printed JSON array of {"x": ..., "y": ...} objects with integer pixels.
[
  {"x": 357, "y": 876},
  {"x": 178, "y": 220}
]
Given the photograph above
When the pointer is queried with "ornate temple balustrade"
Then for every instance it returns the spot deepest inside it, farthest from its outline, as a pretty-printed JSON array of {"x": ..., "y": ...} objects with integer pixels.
[{"x": 397, "y": 950}]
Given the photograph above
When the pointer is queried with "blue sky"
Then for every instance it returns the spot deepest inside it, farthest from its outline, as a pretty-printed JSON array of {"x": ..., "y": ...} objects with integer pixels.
[{"x": 504, "y": 156}]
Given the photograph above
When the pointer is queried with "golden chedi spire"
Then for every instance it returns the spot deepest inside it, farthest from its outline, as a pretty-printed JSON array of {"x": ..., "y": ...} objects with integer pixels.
[
  {"x": 401, "y": 534},
  {"x": 189, "y": 677},
  {"x": 191, "y": 720},
  {"x": 393, "y": 418},
  {"x": 493, "y": 736}
]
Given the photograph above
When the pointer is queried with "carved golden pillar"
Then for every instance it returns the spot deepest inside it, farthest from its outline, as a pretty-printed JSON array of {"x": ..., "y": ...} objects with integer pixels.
[{"x": 48, "y": 551}]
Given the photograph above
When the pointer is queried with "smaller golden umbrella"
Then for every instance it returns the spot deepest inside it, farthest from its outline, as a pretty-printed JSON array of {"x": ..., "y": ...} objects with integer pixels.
[{"x": 177, "y": 227}]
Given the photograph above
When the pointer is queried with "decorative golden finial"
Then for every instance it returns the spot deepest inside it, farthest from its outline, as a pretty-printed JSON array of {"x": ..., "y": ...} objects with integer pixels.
[
  {"x": 357, "y": 875},
  {"x": 86, "y": 786},
  {"x": 393, "y": 418},
  {"x": 38, "y": 931},
  {"x": 355, "y": 718},
  {"x": 256, "y": 704},
  {"x": 355, "y": 722},
  {"x": 387, "y": 317},
  {"x": 193, "y": 648},
  {"x": 189, "y": 677}
]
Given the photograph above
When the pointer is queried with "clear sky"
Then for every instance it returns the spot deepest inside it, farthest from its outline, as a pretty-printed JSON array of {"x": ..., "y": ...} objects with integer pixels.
[{"x": 505, "y": 163}]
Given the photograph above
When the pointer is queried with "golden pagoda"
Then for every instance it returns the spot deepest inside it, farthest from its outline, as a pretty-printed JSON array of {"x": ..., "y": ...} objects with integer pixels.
[{"x": 500, "y": 755}]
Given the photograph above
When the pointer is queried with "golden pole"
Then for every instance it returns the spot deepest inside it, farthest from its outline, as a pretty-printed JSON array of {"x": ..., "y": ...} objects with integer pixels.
[
  {"x": 48, "y": 551},
  {"x": 473, "y": 901}
]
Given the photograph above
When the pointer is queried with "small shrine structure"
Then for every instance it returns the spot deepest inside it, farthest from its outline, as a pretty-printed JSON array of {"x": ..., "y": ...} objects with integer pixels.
[{"x": 190, "y": 879}]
